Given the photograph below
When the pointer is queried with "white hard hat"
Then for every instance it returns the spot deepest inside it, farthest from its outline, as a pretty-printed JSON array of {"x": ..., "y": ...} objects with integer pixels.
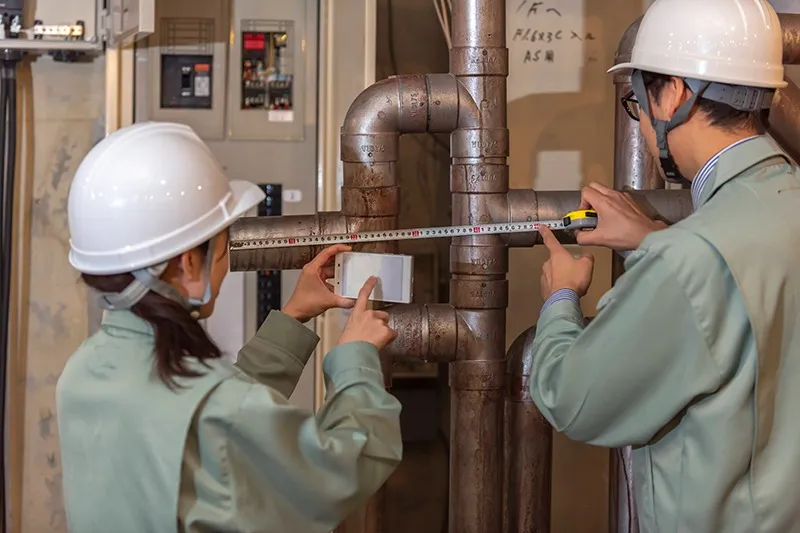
[
  {"x": 735, "y": 42},
  {"x": 147, "y": 193}
]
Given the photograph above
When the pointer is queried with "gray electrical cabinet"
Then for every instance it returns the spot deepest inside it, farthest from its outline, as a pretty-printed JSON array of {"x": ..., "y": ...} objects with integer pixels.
[
  {"x": 267, "y": 59},
  {"x": 243, "y": 75},
  {"x": 187, "y": 65}
]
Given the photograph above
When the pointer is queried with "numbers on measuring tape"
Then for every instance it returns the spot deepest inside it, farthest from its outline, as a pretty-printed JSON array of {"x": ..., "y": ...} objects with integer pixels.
[{"x": 394, "y": 235}]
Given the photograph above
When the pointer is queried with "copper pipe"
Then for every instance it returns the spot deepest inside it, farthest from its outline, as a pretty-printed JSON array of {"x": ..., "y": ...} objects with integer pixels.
[
  {"x": 790, "y": 25},
  {"x": 525, "y": 205},
  {"x": 426, "y": 333},
  {"x": 783, "y": 122},
  {"x": 634, "y": 168},
  {"x": 478, "y": 266},
  {"x": 254, "y": 228},
  {"x": 529, "y": 446}
]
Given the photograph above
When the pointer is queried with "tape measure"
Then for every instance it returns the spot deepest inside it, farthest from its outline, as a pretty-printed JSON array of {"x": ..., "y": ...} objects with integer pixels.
[{"x": 575, "y": 220}]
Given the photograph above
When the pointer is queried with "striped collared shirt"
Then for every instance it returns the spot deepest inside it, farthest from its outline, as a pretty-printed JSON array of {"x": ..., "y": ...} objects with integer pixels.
[{"x": 705, "y": 172}]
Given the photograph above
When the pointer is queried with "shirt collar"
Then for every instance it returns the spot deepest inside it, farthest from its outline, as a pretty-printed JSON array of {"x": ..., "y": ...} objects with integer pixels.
[
  {"x": 126, "y": 321},
  {"x": 702, "y": 177}
]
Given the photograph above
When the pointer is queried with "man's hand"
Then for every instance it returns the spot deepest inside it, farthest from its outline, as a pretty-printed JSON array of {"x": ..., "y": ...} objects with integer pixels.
[
  {"x": 621, "y": 224},
  {"x": 562, "y": 270},
  {"x": 313, "y": 295}
]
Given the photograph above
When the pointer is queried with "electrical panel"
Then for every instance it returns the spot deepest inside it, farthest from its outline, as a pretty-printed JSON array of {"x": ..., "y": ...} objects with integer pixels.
[
  {"x": 268, "y": 291},
  {"x": 128, "y": 20},
  {"x": 266, "y": 92},
  {"x": 187, "y": 65},
  {"x": 55, "y": 13}
]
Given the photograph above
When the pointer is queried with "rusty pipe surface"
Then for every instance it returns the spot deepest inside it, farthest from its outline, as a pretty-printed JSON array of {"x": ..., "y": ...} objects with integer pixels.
[
  {"x": 255, "y": 228},
  {"x": 478, "y": 266},
  {"x": 783, "y": 122},
  {"x": 426, "y": 332},
  {"x": 529, "y": 447},
  {"x": 525, "y": 205},
  {"x": 790, "y": 25}
]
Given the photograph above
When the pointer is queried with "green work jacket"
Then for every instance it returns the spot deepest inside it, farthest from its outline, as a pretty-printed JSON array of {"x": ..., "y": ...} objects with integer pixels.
[
  {"x": 694, "y": 357},
  {"x": 226, "y": 452}
]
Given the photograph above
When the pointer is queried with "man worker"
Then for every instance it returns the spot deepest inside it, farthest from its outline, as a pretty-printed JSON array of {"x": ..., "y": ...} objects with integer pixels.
[{"x": 694, "y": 356}]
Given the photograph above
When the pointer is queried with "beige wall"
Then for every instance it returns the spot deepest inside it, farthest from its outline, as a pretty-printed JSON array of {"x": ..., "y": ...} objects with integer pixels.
[{"x": 582, "y": 122}]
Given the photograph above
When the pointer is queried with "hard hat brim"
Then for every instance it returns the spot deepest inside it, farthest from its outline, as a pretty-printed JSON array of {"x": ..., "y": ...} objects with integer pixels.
[
  {"x": 630, "y": 66},
  {"x": 245, "y": 196}
]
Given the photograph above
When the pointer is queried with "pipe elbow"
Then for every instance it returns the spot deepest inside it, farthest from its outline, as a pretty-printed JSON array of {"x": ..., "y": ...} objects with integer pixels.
[
  {"x": 519, "y": 366},
  {"x": 436, "y": 103},
  {"x": 375, "y": 110}
]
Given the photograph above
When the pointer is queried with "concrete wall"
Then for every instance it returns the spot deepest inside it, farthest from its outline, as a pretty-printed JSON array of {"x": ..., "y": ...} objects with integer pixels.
[{"x": 61, "y": 111}]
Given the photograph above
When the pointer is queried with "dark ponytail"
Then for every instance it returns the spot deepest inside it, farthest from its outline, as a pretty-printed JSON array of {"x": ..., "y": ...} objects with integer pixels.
[{"x": 177, "y": 334}]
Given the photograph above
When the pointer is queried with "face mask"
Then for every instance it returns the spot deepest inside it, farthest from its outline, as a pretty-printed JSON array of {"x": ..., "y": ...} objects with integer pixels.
[{"x": 149, "y": 279}]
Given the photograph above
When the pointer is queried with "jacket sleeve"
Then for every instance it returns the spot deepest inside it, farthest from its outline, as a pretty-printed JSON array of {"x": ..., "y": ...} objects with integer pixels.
[
  {"x": 277, "y": 354},
  {"x": 634, "y": 368},
  {"x": 313, "y": 470}
]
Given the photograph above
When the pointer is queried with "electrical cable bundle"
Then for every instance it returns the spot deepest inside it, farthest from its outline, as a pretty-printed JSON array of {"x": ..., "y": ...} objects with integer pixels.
[{"x": 8, "y": 159}]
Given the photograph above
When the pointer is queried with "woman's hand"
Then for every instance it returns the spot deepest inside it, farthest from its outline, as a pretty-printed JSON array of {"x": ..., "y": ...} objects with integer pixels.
[
  {"x": 366, "y": 325},
  {"x": 313, "y": 295}
]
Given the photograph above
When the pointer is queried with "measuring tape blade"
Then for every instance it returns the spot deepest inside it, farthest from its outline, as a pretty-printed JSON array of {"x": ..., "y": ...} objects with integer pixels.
[{"x": 398, "y": 235}]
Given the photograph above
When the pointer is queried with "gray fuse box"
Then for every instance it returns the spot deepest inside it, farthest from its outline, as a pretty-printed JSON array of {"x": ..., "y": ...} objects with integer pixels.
[
  {"x": 267, "y": 84},
  {"x": 187, "y": 67}
]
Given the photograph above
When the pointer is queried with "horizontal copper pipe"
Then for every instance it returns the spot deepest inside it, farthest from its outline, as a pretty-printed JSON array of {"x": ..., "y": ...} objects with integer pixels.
[
  {"x": 524, "y": 205},
  {"x": 255, "y": 228},
  {"x": 518, "y": 206}
]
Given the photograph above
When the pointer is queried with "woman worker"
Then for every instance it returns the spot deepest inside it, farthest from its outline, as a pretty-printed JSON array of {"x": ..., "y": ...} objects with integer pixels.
[{"x": 158, "y": 432}]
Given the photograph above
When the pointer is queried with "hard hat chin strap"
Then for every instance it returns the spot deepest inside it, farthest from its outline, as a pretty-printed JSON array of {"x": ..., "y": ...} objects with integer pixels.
[
  {"x": 663, "y": 127},
  {"x": 149, "y": 279},
  {"x": 748, "y": 99}
]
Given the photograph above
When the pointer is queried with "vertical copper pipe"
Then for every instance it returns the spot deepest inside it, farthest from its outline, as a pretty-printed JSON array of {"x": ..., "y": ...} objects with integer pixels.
[
  {"x": 634, "y": 169},
  {"x": 783, "y": 122},
  {"x": 478, "y": 265},
  {"x": 529, "y": 447},
  {"x": 790, "y": 25}
]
